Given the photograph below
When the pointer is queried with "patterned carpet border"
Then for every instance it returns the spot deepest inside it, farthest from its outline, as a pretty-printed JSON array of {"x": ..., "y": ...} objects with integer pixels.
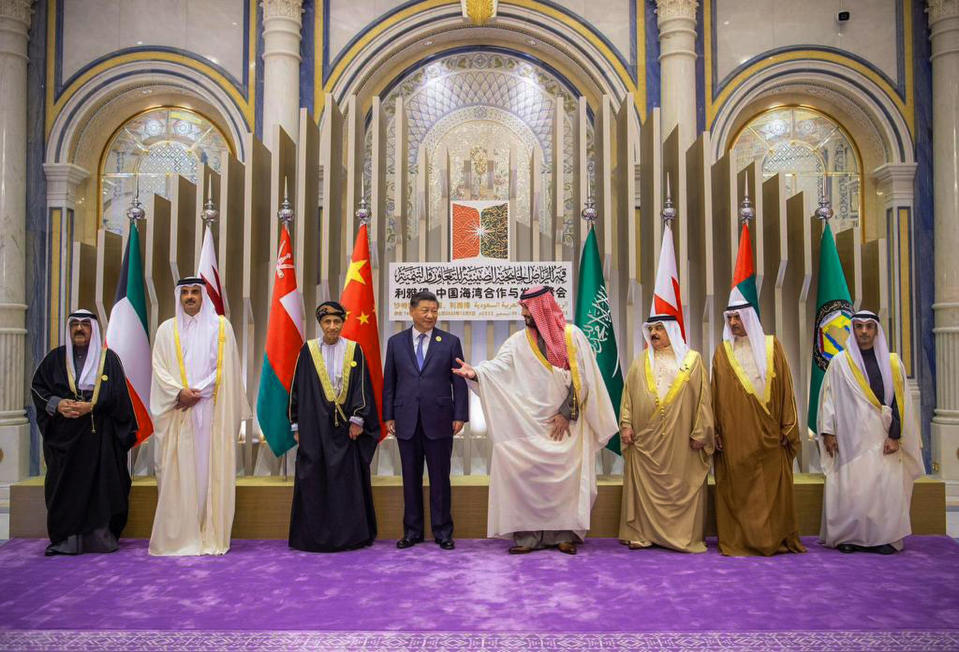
[{"x": 212, "y": 640}]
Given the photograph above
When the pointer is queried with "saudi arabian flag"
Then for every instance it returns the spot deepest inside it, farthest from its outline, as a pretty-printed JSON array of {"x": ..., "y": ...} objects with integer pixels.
[
  {"x": 833, "y": 318},
  {"x": 595, "y": 319}
]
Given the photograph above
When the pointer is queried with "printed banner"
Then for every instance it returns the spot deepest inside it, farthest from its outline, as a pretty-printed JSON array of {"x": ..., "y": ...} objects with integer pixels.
[{"x": 481, "y": 290}]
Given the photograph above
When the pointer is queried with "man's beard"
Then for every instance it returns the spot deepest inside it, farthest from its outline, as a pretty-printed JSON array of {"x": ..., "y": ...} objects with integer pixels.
[{"x": 530, "y": 322}]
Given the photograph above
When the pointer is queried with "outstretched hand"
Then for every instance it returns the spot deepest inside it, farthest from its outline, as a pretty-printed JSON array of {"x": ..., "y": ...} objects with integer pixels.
[{"x": 465, "y": 370}]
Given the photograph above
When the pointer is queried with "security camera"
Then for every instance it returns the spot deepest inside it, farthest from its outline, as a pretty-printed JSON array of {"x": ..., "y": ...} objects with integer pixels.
[{"x": 842, "y": 16}]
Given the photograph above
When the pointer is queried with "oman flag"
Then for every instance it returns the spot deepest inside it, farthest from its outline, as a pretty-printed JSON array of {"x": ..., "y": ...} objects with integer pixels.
[
  {"x": 128, "y": 333},
  {"x": 744, "y": 276},
  {"x": 666, "y": 299},
  {"x": 284, "y": 339},
  {"x": 210, "y": 272},
  {"x": 360, "y": 307}
]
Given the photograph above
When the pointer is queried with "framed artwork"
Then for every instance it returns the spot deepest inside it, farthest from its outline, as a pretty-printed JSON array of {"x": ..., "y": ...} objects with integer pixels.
[{"x": 479, "y": 230}]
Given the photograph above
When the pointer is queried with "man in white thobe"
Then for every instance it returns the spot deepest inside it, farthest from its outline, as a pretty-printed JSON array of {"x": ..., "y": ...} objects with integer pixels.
[
  {"x": 197, "y": 400},
  {"x": 869, "y": 444},
  {"x": 548, "y": 414}
]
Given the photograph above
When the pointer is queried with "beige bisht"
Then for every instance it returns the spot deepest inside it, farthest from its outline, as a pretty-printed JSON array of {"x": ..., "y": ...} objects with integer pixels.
[
  {"x": 537, "y": 483},
  {"x": 664, "y": 480},
  {"x": 195, "y": 448}
]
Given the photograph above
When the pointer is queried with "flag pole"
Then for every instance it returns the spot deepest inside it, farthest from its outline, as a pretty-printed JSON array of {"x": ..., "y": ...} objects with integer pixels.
[
  {"x": 589, "y": 211},
  {"x": 825, "y": 211},
  {"x": 746, "y": 211},
  {"x": 209, "y": 214},
  {"x": 669, "y": 212},
  {"x": 135, "y": 213},
  {"x": 285, "y": 216}
]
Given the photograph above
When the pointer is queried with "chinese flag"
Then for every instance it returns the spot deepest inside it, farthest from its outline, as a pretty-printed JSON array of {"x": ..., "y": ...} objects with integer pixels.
[{"x": 360, "y": 307}]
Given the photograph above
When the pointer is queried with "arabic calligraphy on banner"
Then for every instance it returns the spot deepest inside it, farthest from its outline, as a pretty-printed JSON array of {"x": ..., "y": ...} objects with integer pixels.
[{"x": 468, "y": 291}]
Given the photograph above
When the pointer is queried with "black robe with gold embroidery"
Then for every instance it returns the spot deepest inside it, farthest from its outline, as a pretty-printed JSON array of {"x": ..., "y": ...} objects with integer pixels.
[
  {"x": 332, "y": 496},
  {"x": 87, "y": 483}
]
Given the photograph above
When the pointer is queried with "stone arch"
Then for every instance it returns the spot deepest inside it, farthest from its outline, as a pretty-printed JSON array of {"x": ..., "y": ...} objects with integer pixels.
[
  {"x": 870, "y": 117},
  {"x": 86, "y": 122}
]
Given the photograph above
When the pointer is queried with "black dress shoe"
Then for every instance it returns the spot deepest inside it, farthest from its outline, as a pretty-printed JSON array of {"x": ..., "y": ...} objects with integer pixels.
[
  {"x": 407, "y": 543},
  {"x": 847, "y": 547},
  {"x": 446, "y": 544},
  {"x": 884, "y": 549}
]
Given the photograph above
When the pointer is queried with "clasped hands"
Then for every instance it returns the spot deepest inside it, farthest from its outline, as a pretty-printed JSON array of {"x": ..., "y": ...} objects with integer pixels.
[
  {"x": 74, "y": 409},
  {"x": 187, "y": 398}
]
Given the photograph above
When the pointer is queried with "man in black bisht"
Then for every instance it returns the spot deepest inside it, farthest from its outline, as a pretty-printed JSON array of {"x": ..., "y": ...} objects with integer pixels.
[
  {"x": 333, "y": 411},
  {"x": 87, "y": 421}
]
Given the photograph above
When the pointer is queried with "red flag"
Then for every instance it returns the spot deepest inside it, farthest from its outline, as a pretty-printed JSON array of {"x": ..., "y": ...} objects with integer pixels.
[
  {"x": 284, "y": 338},
  {"x": 209, "y": 271},
  {"x": 360, "y": 307},
  {"x": 666, "y": 299}
]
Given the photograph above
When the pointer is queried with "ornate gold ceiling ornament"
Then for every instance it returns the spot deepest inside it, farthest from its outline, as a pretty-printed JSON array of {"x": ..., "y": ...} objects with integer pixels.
[{"x": 479, "y": 12}]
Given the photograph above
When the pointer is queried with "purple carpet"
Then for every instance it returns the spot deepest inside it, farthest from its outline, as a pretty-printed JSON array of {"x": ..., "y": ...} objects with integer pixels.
[{"x": 264, "y": 596}]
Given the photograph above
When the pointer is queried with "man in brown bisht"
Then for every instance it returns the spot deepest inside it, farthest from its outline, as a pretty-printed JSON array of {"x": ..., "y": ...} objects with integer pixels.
[
  {"x": 666, "y": 428},
  {"x": 757, "y": 438}
]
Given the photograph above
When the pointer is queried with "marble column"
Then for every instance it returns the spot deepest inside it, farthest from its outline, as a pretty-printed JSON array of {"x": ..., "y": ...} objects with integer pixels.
[
  {"x": 282, "y": 20},
  {"x": 944, "y": 29},
  {"x": 677, "y": 61},
  {"x": 15, "y": 18}
]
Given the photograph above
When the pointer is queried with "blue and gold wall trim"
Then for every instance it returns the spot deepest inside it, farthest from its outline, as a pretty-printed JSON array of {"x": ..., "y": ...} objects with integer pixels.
[
  {"x": 900, "y": 91},
  {"x": 630, "y": 68},
  {"x": 243, "y": 92}
]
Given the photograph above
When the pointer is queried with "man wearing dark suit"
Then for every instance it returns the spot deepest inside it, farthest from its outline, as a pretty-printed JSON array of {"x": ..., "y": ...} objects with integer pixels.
[{"x": 424, "y": 405}]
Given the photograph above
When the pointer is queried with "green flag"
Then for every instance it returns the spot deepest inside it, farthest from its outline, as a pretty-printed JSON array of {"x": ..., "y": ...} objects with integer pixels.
[
  {"x": 833, "y": 318},
  {"x": 594, "y": 317}
]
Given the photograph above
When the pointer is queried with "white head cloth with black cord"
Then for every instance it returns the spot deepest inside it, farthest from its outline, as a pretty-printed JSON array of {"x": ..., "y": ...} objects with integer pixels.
[
  {"x": 879, "y": 346},
  {"x": 676, "y": 341},
  {"x": 754, "y": 331},
  {"x": 87, "y": 377},
  {"x": 198, "y": 334}
]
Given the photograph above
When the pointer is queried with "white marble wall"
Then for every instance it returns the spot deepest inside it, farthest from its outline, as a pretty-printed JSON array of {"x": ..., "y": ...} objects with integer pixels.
[
  {"x": 611, "y": 18},
  {"x": 747, "y": 28},
  {"x": 349, "y": 17},
  {"x": 212, "y": 29}
]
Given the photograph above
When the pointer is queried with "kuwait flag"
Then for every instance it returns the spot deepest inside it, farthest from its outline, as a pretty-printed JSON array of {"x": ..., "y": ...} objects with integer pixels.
[
  {"x": 284, "y": 339},
  {"x": 128, "y": 333},
  {"x": 360, "y": 307},
  {"x": 666, "y": 299},
  {"x": 744, "y": 276},
  {"x": 209, "y": 271}
]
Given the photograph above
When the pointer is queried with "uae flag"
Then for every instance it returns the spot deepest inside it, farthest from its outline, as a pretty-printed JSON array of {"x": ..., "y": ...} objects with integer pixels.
[
  {"x": 595, "y": 318},
  {"x": 128, "y": 333},
  {"x": 666, "y": 299},
  {"x": 284, "y": 339},
  {"x": 744, "y": 276},
  {"x": 360, "y": 306},
  {"x": 833, "y": 318},
  {"x": 209, "y": 271}
]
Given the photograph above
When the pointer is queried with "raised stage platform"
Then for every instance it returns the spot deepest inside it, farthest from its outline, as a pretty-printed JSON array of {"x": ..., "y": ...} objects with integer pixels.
[{"x": 263, "y": 507}]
